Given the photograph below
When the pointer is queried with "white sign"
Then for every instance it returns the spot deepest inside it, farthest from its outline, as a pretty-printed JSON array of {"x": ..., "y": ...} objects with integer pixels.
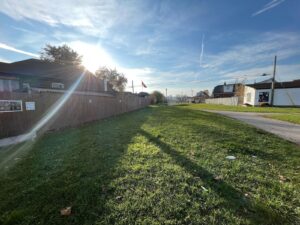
[{"x": 30, "y": 106}]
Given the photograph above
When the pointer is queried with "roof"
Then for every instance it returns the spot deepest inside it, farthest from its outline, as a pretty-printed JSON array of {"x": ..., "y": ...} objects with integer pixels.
[
  {"x": 43, "y": 69},
  {"x": 143, "y": 94},
  {"x": 278, "y": 85},
  {"x": 38, "y": 69},
  {"x": 202, "y": 94},
  {"x": 218, "y": 89}
]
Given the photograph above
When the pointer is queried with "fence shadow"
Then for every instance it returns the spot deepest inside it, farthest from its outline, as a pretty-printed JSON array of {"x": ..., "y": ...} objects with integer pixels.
[
  {"x": 235, "y": 200},
  {"x": 73, "y": 167}
]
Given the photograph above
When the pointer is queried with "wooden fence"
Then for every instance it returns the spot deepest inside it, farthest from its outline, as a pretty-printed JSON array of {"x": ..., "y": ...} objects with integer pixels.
[{"x": 78, "y": 109}]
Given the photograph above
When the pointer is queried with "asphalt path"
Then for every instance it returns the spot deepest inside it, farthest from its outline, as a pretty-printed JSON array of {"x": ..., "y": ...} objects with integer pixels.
[{"x": 286, "y": 130}]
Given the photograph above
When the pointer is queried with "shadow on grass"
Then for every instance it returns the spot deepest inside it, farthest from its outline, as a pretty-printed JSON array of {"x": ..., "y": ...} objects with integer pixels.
[
  {"x": 226, "y": 132},
  {"x": 73, "y": 167},
  {"x": 256, "y": 212}
]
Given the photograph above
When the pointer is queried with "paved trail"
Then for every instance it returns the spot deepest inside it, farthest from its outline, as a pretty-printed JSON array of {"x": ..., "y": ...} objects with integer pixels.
[{"x": 286, "y": 130}]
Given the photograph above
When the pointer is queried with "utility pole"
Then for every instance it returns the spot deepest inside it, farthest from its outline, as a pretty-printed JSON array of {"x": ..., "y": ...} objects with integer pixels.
[
  {"x": 273, "y": 81},
  {"x": 132, "y": 87},
  {"x": 166, "y": 94}
]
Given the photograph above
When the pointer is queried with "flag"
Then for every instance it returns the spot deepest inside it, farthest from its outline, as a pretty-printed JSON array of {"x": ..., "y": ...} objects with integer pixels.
[{"x": 144, "y": 85}]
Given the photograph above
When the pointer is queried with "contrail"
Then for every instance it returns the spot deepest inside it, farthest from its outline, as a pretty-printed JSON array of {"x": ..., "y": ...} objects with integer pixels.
[
  {"x": 10, "y": 48},
  {"x": 201, "y": 55},
  {"x": 202, "y": 50},
  {"x": 268, "y": 6}
]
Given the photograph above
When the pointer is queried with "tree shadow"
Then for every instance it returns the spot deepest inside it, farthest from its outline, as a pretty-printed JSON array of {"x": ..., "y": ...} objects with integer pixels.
[
  {"x": 73, "y": 167},
  {"x": 256, "y": 212}
]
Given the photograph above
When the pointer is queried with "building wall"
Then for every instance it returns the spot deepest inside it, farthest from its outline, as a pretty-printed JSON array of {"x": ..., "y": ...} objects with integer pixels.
[
  {"x": 287, "y": 97},
  {"x": 282, "y": 96},
  {"x": 249, "y": 95},
  {"x": 223, "y": 101},
  {"x": 78, "y": 109}
]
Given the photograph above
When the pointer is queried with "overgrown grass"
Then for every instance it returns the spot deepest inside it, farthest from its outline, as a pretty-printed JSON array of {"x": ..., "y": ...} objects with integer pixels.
[
  {"x": 160, "y": 165},
  {"x": 243, "y": 108}
]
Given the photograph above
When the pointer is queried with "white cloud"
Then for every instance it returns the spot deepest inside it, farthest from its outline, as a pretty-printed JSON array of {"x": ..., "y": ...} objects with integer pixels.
[
  {"x": 92, "y": 17},
  {"x": 10, "y": 48},
  {"x": 284, "y": 72},
  {"x": 253, "y": 52},
  {"x": 268, "y": 6}
]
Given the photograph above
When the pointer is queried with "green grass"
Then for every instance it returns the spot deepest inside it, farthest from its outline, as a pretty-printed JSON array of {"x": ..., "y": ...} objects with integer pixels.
[
  {"x": 292, "y": 117},
  {"x": 243, "y": 108},
  {"x": 159, "y": 165},
  {"x": 284, "y": 113}
]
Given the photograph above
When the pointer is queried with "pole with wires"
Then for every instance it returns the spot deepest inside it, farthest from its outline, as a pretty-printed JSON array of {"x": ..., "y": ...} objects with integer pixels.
[
  {"x": 273, "y": 81},
  {"x": 166, "y": 94},
  {"x": 132, "y": 87}
]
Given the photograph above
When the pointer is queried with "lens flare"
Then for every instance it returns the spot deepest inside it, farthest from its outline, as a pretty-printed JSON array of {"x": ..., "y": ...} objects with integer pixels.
[{"x": 31, "y": 137}]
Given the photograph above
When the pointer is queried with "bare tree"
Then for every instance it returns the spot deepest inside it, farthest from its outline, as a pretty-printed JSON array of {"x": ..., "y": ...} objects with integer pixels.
[
  {"x": 63, "y": 55},
  {"x": 115, "y": 78}
]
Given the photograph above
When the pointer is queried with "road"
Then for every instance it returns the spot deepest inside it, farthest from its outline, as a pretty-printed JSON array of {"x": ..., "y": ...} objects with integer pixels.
[{"x": 286, "y": 130}]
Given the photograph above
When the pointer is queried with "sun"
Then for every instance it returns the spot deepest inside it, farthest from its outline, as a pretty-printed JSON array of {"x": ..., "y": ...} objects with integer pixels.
[{"x": 93, "y": 56}]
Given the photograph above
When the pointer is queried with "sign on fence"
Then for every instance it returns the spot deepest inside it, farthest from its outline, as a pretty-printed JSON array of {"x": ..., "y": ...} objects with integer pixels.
[
  {"x": 30, "y": 106},
  {"x": 10, "y": 105}
]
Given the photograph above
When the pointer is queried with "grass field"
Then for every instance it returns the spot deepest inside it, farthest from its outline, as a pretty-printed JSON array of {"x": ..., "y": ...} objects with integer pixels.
[
  {"x": 243, "y": 108},
  {"x": 289, "y": 117},
  {"x": 159, "y": 165},
  {"x": 285, "y": 114}
]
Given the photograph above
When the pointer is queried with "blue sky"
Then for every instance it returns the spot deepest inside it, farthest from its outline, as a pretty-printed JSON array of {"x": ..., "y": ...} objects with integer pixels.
[{"x": 179, "y": 45}]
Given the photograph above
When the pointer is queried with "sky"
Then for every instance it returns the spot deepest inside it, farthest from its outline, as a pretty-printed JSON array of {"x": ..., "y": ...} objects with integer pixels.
[{"x": 184, "y": 46}]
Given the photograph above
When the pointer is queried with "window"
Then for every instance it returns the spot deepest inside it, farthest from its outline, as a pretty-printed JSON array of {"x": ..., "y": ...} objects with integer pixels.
[
  {"x": 14, "y": 85},
  {"x": 10, "y": 105},
  {"x": 263, "y": 96},
  {"x": 58, "y": 85},
  {"x": 9, "y": 85},
  {"x": 249, "y": 97}
]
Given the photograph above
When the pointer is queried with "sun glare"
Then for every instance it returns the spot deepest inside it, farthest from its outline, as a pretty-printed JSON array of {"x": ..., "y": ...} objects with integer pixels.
[{"x": 93, "y": 56}]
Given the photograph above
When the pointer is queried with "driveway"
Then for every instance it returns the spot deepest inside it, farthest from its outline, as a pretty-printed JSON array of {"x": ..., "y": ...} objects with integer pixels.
[{"x": 286, "y": 130}]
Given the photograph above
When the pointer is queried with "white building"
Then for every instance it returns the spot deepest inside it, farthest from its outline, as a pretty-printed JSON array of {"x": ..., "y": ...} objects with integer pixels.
[{"x": 285, "y": 93}]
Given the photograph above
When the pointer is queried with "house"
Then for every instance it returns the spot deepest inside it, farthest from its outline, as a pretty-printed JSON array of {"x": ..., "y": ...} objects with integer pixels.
[
  {"x": 227, "y": 90},
  {"x": 143, "y": 94},
  {"x": 285, "y": 93},
  {"x": 200, "y": 97},
  {"x": 36, "y": 74}
]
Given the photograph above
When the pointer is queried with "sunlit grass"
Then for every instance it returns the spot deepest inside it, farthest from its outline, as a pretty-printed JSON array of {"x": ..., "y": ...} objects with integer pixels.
[
  {"x": 159, "y": 165},
  {"x": 244, "y": 108},
  {"x": 291, "y": 117}
]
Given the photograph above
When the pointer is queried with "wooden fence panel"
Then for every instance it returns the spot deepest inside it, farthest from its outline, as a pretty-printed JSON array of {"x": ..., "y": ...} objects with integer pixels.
[{"x": 78, "y": 109}]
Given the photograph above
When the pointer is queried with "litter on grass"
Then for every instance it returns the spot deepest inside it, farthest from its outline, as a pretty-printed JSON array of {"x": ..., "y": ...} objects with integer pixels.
[
  {"x": 204, "y": 189},
  {"x": 231, "y": 157},
  {"x": 66, "y": 211}
]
